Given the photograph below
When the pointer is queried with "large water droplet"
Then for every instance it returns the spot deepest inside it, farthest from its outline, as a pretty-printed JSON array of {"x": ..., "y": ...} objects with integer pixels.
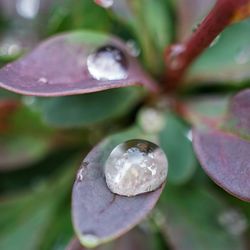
[
  {"x": 135, "y": 167},
  {"x": 108, "y": 63},
  {"x": 105, "y": 3}
]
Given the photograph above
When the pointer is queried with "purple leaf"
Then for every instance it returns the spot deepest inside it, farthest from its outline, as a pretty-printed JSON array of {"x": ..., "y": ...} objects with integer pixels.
[
  {"x": 98, "y": 214},
  {"x": 58, "y": 67},
  {"x": 224, "y": 152}
]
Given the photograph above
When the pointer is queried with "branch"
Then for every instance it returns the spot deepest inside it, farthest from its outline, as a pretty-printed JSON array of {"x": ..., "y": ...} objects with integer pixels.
[{"x": 178, "y": 57}]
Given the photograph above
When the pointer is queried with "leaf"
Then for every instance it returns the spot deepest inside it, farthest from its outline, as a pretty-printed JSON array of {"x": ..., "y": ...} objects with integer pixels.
[
  {"x": 83, "y": 110},
  {"x": 134, "y": 239},
  {"x": 18, "y": 151},
  {"x": 178, "y": 148},
  {"x": 189, "y": 218},
  {"x": 152, "y": 25},
  {"x": 99, "y": 215},
  {"x": 226, "y": 60},
  {"x": 224, "y": 151},
  {"x": 190, "y": 14},
  {"x": 58, "y": 67},
  {"x": 32, "y": 213}
]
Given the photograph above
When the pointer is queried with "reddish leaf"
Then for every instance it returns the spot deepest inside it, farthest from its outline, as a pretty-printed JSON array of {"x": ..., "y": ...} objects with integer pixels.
[
  {"x": 98, "y": 214},
  {"x": 226, "y": 159},
  {"x": 58, "y": 67},
  {"x": 224, "y": 152}
]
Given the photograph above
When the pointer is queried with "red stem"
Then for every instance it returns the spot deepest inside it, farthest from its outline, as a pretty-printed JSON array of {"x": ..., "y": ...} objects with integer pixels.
[{"x": 178, "y": 57}]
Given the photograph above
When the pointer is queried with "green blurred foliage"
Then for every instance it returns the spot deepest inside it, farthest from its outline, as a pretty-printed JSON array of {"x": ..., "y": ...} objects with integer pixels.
[{"x": 35, "y": 193}]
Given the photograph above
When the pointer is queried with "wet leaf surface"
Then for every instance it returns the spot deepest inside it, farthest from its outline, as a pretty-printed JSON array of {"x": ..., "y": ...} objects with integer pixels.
[
  {"x": 190, "y": 218},
  {"x": 223, "y": 151},
  {"x": 99, "y": 215},
  {"x": 59, "y": 67}
]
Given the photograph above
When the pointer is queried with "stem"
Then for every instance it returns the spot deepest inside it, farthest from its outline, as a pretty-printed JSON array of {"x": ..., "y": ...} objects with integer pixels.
[{"x": 178, "y": 57}]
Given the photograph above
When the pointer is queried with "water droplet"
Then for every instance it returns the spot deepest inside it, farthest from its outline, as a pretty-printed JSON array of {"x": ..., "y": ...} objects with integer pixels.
[
  {"x": 243, "y": 56},
  {"x": 105, "y": 3},
  {"x": 135, "y": 167},
  {"x": 29, "y": 100},
  {"x": 28, "y": 8},
  {"x": 80, "y": 173},
  {"x": 215, "y": 41},
  {"x": 90, "y": 240},
  {"x": 233, "y": 221},
  {"x": 174, "y": 52},
  {"x": 189, "y": 135},
  {"x": 108, "y": 63},
  {"x": 10, "y": 47},
  {"x": 43, "y": 80},
  {"x": 151, "y": 120},
  {"x": 133, "y": 48}
]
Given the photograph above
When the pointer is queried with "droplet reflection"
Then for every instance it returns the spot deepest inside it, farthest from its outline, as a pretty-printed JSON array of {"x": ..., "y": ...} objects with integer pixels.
[
  {"x": 108, "y": 63},
  {"x": 135, "y": 167}
]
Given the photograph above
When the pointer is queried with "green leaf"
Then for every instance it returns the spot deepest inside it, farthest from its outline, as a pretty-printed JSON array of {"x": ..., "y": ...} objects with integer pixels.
[
  {"x": 25, "y": 219},
  {"x": 228, "y": 60},
  {"x": 152, "y": 25},
  {"x": 88, "y": 109},
  {"x": 75, "y": 14},
  {"x": 189, "y": 218},
  {"x": 178, "y": 148}
]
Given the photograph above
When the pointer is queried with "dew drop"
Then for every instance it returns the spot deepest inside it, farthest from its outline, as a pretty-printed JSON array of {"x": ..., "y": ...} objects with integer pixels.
[
  {"x": 233, "y": 221},
  {"x": 10, "y": 47},
  {"x": 174, "y": 61},
  {"x": 151, "y": 120},
  {"x": 133, "y": 48},
  {"x": 108, "y": 63},
  {"x": 135, "y": 167},
  {"x": 215, "y": 41},
  {"x": 243, "y": 56},
  {"x": 105, "y": 3},
  {"x": 43, "y": 80},
  {"x": 28, "y": 8}
]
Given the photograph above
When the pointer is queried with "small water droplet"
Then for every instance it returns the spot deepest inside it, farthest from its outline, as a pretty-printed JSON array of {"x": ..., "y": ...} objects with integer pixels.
[
  {"x": 28, "y": 8},
  {"x": 43, "y": 80},
  {"x": 28, "y": 100},
  {"x": 151, "y": 120},
  {"x": 174, "y": 61},
  {"x": 135, "y": 167},
  {"x": 10, "y": 47},
  {"x": 215, "y": 41},
  {"x": 105, "y": 3},
  {"x": 80, "y": 172},
  {"x": 189, "y": 135},
  {"x": 233, "y": 221},
  {"x": 90, "y": 240},
  {"x": 243, "y": 56},
  {"x": 133, "y": 48},
  {"x": 108, "y": 63}
]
